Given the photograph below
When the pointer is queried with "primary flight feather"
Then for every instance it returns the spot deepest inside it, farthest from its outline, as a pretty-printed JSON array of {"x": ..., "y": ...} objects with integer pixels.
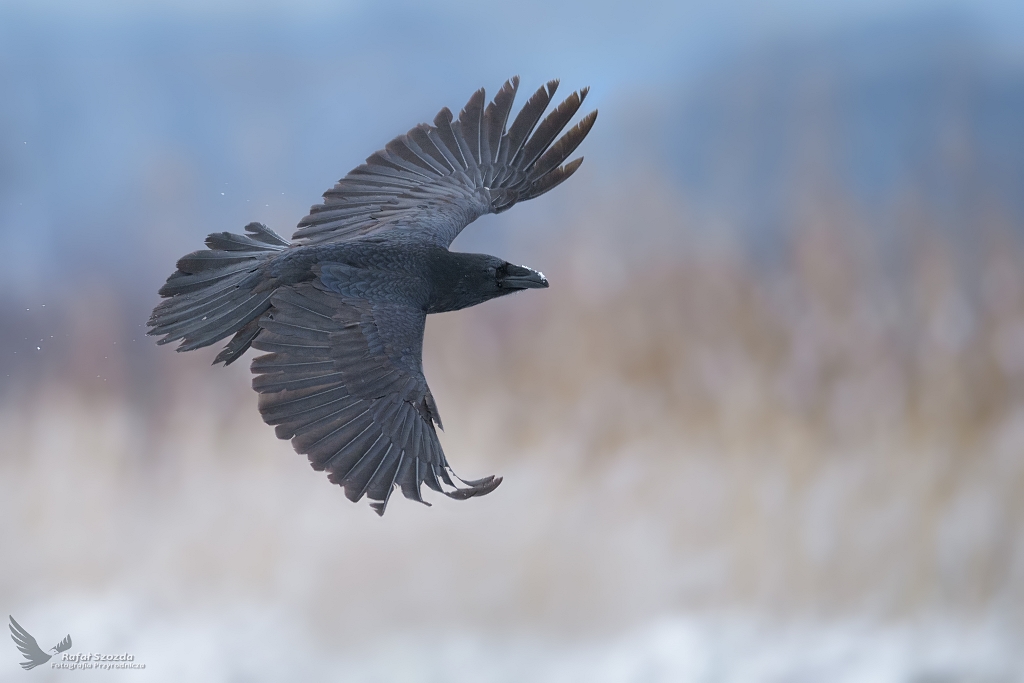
[{"x": 340, "y": 310}]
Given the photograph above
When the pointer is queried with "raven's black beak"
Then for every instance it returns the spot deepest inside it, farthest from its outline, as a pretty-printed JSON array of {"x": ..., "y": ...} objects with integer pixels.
[{"x": 520, "y": 277}]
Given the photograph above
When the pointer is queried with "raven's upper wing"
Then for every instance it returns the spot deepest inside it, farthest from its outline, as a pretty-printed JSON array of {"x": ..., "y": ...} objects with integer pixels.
[
  {"x": 28, "y": 646},
  {"x": 435, "y": 180},
  {"x": 344, "y": 381}
]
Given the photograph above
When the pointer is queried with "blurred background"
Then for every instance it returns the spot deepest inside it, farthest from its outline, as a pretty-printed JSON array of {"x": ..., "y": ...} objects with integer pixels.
[{"x": 766, "y": 425}]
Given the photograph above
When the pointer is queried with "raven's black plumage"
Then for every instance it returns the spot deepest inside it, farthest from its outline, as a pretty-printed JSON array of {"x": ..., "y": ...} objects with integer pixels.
[{"x": 340, "y": 311}]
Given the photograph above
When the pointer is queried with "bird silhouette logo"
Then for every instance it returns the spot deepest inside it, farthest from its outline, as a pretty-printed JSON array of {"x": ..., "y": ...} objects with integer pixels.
[{"x": 30, "y": 649}]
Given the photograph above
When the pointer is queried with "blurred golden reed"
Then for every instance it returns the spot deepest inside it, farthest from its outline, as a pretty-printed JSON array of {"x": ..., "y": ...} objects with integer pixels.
[{"x": 835, "y": 430}]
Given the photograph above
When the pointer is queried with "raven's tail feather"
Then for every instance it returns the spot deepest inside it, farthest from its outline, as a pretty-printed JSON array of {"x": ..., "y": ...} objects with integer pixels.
[{"x": 214, "y": 293}]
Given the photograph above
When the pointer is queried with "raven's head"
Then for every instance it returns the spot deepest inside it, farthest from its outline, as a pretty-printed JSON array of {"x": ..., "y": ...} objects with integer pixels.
[{"x": 470, "y": 279}]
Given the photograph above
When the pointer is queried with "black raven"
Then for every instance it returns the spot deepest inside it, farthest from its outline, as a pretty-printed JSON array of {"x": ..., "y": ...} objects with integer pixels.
[{"x": 340, "y": 310}]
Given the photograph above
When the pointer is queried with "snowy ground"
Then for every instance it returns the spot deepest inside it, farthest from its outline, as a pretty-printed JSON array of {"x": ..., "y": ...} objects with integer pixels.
[
  {"x": 249, "y": 567},
  {"x": 266, "y": 645}
]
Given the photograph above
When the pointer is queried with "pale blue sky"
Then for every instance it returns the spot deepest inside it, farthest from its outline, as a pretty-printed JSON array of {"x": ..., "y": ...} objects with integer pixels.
[{"x": 123, "y": 122}]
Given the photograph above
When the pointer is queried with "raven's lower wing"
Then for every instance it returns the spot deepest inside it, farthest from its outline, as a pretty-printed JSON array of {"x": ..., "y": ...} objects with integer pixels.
[
  {"x": 343, "y": 380},
  {"x": 28, "y": 646},
  {"x": 437, "y": 179}
]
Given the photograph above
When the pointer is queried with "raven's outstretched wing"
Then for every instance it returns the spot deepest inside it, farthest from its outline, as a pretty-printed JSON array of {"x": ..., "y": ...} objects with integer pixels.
[
  {"x": 344, "y": 381},
  {"x": 435, "y": 180},
  {"x": 28, "y": 646},
  {"x": 64, "y": 644}
]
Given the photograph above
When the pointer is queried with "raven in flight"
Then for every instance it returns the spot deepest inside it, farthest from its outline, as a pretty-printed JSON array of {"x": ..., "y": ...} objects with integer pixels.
[
  {"x": 341, "y": 309},
  {"x": 30, "y": 648}
]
